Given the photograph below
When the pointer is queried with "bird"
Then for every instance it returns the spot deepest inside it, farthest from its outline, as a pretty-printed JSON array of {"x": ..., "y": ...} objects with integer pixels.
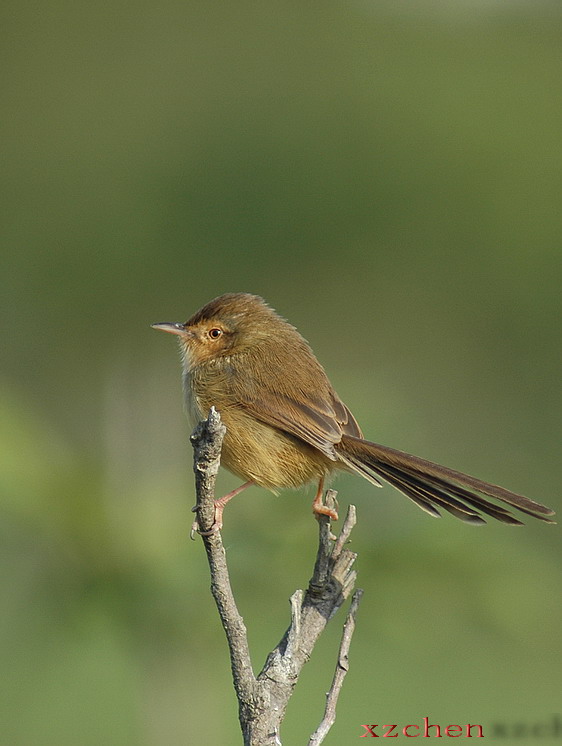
[{"x": 286, "y": 426}]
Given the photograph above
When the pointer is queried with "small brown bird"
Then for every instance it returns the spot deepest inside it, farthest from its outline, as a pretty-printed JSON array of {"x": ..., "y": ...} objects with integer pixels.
[{"x": 286, "y": 426}]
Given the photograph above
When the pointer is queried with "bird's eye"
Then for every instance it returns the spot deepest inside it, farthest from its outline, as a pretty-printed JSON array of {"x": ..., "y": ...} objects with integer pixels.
[{"x": 215, "y": 333}]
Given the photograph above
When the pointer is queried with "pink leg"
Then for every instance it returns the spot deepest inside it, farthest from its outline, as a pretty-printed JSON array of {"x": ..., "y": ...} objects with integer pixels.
[
  {"x": 220, "y": 503},
  {"x": 318, "y": 508}
]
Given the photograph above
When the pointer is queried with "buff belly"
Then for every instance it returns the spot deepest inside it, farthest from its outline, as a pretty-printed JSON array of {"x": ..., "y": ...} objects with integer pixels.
[{"x": 261, "y": 453}]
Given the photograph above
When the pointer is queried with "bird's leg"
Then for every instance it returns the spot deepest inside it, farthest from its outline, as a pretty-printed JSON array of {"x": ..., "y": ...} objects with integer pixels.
[
  {"x": 220, "y": 503},
  {"x": 318, "y": 507}
]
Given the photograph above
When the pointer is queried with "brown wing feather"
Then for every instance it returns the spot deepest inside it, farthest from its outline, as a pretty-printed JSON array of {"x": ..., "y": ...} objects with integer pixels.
[{"x": 313, "y": 413}]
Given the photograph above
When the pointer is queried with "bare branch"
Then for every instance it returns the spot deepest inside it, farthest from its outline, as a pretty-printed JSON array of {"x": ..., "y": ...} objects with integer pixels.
[
  {"x": 263, "y": 699},
  {"x": 342, "y": 668},
  {"x": 207, "y": 442}
]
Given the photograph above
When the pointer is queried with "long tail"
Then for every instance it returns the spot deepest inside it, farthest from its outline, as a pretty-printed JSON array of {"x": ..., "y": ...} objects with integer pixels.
[{"x": 431, "y": 486}]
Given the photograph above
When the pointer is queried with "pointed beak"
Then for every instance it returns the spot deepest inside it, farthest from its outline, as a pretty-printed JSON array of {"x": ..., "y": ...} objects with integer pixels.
[{"x": 168, "y": 326}]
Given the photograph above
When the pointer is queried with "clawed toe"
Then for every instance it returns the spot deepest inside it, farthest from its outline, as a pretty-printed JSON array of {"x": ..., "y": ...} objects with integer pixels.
[
  {"x": 219, "y": 507},
  {"x": 324, "y": 510},
  {"x": 215, "y": 528}
]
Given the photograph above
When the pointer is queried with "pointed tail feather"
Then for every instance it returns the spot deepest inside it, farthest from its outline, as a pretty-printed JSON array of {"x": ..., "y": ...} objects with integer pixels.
[{"x": 429, "y": 485}]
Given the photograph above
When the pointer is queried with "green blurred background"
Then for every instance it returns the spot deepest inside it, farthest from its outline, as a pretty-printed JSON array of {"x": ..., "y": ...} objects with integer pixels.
[{"x": 388, "y": 176}]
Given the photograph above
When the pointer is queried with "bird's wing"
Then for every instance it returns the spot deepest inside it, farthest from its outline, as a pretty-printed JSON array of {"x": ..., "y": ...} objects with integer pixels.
[{"x": 313, "y": 412}]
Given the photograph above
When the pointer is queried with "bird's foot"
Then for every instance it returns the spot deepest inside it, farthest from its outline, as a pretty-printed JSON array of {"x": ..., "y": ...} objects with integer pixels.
[
  {"x": 220, "y": 503},
  {"x": 215, "y": 528},
  {"x": 318, "y": 507}
]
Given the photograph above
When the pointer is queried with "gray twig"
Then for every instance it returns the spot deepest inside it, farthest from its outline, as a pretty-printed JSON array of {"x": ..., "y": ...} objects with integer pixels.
[
  {"x": 207, "y": 442},
  {"x": 262, "y": 700},
  {"x": 342, "y": 668}
]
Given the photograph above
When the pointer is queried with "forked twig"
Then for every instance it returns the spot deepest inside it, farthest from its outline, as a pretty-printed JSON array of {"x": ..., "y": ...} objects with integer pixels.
[{"x": 262, "y": 699}]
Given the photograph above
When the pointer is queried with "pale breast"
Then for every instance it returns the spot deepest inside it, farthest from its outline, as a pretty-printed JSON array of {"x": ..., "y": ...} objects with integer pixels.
[
  {"x": 193, "y": 408},
  {"x": 253, "y": 450}
]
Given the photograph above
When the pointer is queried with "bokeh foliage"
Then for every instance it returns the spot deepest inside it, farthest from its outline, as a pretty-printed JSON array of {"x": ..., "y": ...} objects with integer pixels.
[{"x": 388, "y": 176}]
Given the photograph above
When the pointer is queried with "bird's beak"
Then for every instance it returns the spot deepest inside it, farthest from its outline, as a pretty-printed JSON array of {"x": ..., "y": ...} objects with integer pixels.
[{"x": 168, "y": 326}]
